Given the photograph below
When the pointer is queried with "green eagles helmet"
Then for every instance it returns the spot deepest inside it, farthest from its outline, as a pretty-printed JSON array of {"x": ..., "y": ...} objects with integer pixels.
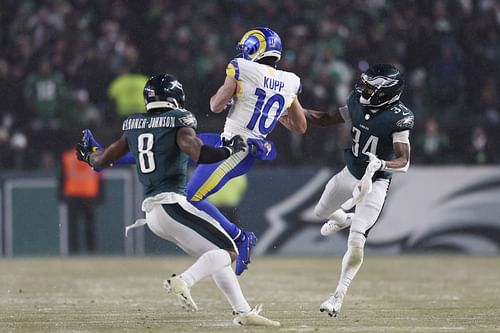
[
  {"x": 380, "y": 85},
  {"x": 163, "y": 91}
]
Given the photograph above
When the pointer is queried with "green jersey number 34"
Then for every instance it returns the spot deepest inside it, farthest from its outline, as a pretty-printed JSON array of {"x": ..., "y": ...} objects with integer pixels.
[{"x": 369, "y": 146}]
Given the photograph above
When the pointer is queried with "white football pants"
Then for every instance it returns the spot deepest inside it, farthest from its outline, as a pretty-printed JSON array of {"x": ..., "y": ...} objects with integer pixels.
[
  {"x": 339, "y": 189},
  {"x": 174, "y": 219}
]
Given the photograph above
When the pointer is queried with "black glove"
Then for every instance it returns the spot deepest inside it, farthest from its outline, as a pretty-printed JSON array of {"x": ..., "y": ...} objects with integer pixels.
[
  {"x": 83, "y": 152},
  {"x": 235, "y": 144}
]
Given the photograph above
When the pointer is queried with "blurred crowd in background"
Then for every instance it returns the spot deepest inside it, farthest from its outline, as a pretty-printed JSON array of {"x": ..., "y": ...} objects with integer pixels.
[{"x": 66, "y": 65}]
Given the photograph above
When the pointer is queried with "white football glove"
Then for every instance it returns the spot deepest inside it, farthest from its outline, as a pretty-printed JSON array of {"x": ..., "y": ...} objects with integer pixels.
[{"x": 375, "y": 164}]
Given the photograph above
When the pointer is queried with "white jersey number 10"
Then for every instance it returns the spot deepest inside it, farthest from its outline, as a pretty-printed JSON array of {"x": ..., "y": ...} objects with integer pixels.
[{"x": 261, "y": 111}]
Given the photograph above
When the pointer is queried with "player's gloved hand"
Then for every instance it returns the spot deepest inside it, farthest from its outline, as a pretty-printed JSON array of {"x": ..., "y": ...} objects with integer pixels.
[
  {"x": 229, "y": 105},
  {"x": 86, "y": 146},
  {"x": 235, "y": 144},
  {"x": 83, "y": 152},
  {"x": 375, "y": 164}
]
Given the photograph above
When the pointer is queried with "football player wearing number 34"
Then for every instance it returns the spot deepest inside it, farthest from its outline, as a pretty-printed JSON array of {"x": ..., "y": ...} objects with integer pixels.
[
  {"x": 380, "y": 129},
  {"x": 255, "y": 95}
]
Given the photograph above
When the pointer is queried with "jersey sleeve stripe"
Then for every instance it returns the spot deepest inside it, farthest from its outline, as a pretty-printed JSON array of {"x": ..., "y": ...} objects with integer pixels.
[{"x": 233, "y": 70}]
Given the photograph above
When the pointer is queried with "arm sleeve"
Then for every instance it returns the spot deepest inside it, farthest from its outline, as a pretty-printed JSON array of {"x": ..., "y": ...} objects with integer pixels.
[
  {"x": 209, "y": 154},
  {"x": 403, "y": 137}
]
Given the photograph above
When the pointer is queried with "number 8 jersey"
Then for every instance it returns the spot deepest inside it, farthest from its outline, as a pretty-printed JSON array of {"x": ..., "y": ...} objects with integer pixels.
[
  {"x": 262, "y": 96},
  {"x": 152, "y": 139}
]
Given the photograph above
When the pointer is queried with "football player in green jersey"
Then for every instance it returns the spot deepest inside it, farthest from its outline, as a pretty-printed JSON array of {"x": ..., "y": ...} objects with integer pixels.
[
  {"x": 380, "y": 130},
  {"x": 161, "y": 141}
]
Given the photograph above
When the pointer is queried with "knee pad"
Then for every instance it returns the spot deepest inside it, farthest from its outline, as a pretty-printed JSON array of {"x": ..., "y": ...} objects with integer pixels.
[
  {"x": 356, "y": 244},
  {"x": 356, "y": 240}
]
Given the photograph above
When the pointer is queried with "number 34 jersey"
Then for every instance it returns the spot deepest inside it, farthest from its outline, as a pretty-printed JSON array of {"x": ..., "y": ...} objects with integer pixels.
[
  {"x": 374, "y": 133},
  {"x": 152, "y": 139},
  {"x": 262, "y": 95}
]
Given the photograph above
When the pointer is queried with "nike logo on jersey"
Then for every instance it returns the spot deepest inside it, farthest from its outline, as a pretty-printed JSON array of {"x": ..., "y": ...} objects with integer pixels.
[{"x": 273, "y": 84}]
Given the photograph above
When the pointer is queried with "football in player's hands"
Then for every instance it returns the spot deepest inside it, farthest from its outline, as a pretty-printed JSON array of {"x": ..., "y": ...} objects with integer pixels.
[{"x": 235, "y": 144}]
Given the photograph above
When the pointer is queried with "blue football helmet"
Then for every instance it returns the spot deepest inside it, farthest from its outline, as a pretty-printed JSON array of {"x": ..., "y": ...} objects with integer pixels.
[{"x": 258, "y": 43}]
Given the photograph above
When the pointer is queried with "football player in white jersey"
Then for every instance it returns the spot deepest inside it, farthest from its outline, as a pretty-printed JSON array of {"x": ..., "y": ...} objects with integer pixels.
[{"x": 256, "y": 96}]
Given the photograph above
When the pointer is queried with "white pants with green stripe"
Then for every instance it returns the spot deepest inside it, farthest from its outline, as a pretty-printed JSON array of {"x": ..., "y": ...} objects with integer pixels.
[{"x": 170, "y": 216}]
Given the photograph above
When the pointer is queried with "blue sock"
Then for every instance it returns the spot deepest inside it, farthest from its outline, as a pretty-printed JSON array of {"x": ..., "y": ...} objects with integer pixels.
[{"x": 231, "y": 228}]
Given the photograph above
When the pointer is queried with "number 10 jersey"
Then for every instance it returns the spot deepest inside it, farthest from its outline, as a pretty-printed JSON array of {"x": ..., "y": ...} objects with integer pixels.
[{"x": 263, "y": 95}]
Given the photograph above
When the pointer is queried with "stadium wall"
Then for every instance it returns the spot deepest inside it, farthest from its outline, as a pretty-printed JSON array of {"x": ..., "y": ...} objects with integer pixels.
[{"x": 429, "y": 209}]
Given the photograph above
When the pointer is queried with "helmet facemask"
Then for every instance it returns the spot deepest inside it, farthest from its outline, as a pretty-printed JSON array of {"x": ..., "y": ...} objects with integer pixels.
[{"x": 379, "y": 90}]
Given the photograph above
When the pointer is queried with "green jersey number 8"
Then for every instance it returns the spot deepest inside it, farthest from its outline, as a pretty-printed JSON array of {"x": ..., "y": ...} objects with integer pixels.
[{"x": 146, "y": 156}]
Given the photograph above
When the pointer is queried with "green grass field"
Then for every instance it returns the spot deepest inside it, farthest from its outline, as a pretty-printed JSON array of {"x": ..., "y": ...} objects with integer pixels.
[{"x": 115, "y": 294}]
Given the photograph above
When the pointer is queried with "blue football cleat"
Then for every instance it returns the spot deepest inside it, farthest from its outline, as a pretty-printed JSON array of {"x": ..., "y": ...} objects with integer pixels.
[{"x": 245, "y": 243}]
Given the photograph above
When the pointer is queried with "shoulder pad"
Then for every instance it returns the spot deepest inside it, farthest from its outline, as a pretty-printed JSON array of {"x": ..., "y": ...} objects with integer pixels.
[
  {"x": 352, "y": 98},
  {"x": 403, "y": 116}
]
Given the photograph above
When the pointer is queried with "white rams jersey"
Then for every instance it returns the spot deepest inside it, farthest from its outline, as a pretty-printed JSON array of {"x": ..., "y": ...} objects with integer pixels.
[{"x": 263, "y": 94}]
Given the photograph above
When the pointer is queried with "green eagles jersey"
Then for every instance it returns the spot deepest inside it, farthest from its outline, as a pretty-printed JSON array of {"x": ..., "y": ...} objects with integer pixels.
[
  {"x": 151, "y": 137},
  {"x": 45, "y": 92},
  {"x": 372, "y": 132}
]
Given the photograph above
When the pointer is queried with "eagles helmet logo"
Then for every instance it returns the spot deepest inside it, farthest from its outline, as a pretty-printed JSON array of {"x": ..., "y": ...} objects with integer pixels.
[{"x": 175, "y": 84}]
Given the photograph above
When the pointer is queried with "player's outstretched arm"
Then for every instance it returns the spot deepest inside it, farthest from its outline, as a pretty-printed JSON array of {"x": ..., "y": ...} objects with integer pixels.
[
  {"x": 223, "y": 95},
  {"x": 88, "y": 140},
  {"x": 190, "y": 144},
  {"x": 295, "y": 119},
  {"x": 323, "y": 119},
  {"x": 104, "y": 157}
]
